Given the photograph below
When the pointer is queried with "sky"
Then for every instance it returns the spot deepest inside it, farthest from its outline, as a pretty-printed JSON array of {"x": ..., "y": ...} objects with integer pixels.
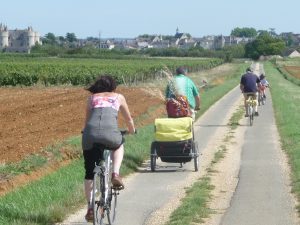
[{"x": 130, "y": 18}]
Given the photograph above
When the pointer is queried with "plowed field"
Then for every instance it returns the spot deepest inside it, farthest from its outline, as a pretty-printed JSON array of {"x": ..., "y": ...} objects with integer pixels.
[{"x": 32, "y": 118}]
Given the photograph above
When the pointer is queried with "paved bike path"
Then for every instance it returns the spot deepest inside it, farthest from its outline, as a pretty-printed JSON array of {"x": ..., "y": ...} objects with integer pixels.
[
  {"x": 262, "y": 195},
  {"x": 147, "y": 192}
]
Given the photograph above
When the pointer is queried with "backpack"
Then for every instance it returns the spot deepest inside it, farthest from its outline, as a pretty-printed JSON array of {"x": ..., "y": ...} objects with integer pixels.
[{"x": 178, "y": 107}]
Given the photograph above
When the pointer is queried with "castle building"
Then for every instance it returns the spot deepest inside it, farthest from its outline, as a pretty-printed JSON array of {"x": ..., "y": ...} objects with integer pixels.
[{"x": 18, "y": 40}]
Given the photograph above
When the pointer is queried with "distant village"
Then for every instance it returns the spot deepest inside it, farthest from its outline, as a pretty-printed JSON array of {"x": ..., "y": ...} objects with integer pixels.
[{"x": 23, "y": 40}]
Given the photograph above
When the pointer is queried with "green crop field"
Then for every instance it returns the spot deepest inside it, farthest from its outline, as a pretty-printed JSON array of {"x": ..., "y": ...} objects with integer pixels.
[{"x": 27, "y": 71}]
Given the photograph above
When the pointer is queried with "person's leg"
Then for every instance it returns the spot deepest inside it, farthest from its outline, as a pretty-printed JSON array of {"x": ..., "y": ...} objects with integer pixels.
[
  {"x": 193, "y": 114},
  {"x": 256, "y": 98},
  {"x": 91, "y": 157},
  {"x": 88, "y": 187},
  {"x": 117, "y": 158},
  {"x": 245, "y": 104},
  {"x": 88, "y": 183}
]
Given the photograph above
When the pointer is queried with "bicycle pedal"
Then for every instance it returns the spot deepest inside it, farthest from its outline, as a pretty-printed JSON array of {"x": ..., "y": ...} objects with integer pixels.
[{"x": 118, "y": 188}]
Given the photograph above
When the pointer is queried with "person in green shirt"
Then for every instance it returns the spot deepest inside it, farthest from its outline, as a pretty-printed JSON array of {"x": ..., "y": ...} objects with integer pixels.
[{"x": 183, "y": 85}]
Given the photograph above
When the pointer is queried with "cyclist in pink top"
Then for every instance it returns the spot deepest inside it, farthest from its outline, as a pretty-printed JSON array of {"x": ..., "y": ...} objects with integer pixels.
[{"x": 101, "y": 128}]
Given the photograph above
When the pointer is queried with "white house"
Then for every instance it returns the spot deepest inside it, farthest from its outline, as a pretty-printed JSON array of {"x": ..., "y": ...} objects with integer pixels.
[{"x": 294, "y": 54}]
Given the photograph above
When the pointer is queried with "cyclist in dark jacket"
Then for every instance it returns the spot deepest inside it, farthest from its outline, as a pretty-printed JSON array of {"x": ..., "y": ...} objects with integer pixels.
[{"x": 250, "y": 84}]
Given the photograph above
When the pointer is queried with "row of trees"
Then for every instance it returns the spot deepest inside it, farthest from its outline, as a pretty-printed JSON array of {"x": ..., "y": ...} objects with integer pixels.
[
  {"x": 51, "y": 39},
  {"x": 265, "y": 43}
]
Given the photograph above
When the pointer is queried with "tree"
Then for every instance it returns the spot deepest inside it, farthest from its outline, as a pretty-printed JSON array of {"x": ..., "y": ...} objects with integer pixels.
[
  {"x": 272, "y": 32},
  {"x": 49, "y": 39},
  {"x": 265, "y": 45},
  {"x": 243, "y": 32},
  {"x": 71, "y": 37}
]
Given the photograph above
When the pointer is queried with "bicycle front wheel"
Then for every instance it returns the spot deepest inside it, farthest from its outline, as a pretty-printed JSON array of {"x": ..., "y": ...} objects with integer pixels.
[
  {"x": 112, "y": 211},
  {"x": 97, "y": 199}
]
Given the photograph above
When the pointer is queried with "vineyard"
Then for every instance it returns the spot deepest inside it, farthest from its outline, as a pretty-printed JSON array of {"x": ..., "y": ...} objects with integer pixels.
[{"x": 27, "y": 71}]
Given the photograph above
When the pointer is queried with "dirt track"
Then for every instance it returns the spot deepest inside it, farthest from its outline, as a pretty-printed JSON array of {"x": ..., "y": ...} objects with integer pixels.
[{"x": 32, "y": 118}]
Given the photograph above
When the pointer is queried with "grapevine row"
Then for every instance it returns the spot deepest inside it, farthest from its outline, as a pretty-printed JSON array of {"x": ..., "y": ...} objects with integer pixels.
[{"x": 54, "y": 71}]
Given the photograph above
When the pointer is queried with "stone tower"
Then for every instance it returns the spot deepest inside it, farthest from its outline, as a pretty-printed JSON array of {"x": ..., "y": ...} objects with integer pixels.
[
  {"x": 31, "y": 36},
  {"x": 3, "y": 36}
]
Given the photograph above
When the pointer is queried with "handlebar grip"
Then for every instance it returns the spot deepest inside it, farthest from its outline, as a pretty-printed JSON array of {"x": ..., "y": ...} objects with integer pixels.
[{"x": 125, "y": 132}]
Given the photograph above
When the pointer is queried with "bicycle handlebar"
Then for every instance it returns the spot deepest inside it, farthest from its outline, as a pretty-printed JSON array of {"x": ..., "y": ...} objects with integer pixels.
[
  {"x": 126, "y": 132},
  {"x": 123, "y": 132}
]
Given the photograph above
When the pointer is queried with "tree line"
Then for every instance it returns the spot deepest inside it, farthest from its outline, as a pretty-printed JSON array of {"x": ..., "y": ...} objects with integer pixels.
[{"x": 264, "y": 43}]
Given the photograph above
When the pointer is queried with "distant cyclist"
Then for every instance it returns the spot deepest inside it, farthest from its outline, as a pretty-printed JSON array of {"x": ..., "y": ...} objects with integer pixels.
[
  {"x": 249, "y": 85},
  {"x": 264, "y": 84}
]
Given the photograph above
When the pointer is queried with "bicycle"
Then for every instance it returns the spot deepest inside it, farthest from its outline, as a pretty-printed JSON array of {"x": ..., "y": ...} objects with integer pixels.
[
  {"x": 104, "y": 194},
  {"x": 251, "y": 103},
  {"x": 261, "y": 97}
]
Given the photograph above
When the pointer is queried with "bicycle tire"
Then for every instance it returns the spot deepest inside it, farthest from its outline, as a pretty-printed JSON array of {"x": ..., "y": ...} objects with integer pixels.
[
  {"x": 97, "y": 199},
  {"x": 250, "y": 113},
  {"x": 153, "y": 157},
  {"x": 196, "y": 156},
  {"x": 251, "y": 116},
  {"x": 112, "y": 210}
]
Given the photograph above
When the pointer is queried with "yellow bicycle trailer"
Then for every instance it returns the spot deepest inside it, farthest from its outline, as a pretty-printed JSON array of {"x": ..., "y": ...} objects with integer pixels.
[{"x": 174, "y": 142}]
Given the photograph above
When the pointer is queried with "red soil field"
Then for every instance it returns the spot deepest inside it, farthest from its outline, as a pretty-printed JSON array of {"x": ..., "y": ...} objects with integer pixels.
[{"x": 36, "y": 117}]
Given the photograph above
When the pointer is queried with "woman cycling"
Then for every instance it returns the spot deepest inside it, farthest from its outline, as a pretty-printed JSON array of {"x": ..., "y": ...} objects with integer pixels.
[{"x": 101, "y": 128}]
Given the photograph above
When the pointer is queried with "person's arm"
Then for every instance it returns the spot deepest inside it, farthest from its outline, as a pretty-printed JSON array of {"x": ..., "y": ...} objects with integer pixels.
[
  {"x": 242, "y": 88},
  {"x": 87, "y": 110},
  {"x": 258, "y": 83},
  {"x": 242, "y": 84},
  {"x": 198, "y": 102},
  {"x": 126, "y": 114},
  {"x": 196, "y": 96}
]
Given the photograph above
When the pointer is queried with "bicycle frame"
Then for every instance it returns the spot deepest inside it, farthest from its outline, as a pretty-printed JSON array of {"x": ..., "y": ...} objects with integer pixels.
[
  {"x": 105, "y": 201},
  {"x": 103, "y": 192},
  {"x": 251, "y": 103}
]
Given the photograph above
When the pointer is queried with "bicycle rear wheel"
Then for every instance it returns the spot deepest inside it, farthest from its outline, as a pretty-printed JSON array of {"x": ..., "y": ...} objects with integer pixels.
[
  {"x": 153, "y": 157},
  {"x": 112, "y": 211},
  {"x": 196, "y": 155},
  {"x": 97, "y": 199}
]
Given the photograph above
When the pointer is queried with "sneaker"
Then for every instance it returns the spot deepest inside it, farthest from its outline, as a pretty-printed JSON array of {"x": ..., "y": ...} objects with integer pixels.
[
  {"x": 89, "y": 217},
  {"x": 256, "y": 114},
  {"x": 116, "y": 181},
  {"x": 246, "y": 115}
]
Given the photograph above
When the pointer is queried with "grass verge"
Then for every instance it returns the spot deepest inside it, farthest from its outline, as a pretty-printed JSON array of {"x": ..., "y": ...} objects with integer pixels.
[
  {"x": 286, "y": 98},
  {"x": 49, "y": 199}
]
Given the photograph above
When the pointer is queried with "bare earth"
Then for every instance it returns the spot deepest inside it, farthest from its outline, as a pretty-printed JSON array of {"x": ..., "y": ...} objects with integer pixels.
[{"x": 33, "y": 118}]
